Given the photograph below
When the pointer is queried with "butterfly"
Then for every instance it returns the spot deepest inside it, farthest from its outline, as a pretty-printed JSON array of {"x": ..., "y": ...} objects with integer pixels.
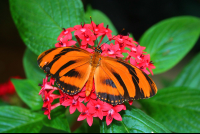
[{"x": 115, "y": 80}]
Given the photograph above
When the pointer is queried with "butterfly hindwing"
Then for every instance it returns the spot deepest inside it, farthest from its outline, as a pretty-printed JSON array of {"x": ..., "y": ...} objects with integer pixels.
[
  {"x": 68, "y": 65},
  {"x": 105, "y": 88}
]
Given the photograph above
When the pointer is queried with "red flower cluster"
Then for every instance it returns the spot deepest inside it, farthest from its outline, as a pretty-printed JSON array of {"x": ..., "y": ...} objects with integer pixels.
[
  {"x": 8, "y": 87},
  {"x": 85, "y": 35}
]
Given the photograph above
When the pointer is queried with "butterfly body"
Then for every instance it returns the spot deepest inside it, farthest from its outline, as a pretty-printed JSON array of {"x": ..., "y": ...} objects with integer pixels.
[
  {"x": 115, "y": 80},
  {"x": 94, "y": 62}
]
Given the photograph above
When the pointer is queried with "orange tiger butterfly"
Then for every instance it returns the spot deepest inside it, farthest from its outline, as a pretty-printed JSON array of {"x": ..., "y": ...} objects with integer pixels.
[{"x": 115, "y": 80}]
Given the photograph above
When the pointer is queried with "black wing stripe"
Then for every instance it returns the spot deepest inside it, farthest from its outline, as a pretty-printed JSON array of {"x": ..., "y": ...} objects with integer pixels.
[
  {"x": 110, "y": 98},
  {"x": 67, "y": 88},
  {"x": 56, "y": 75},
  {"x": 73, "y": 73},
  {"x": 118, "y": 77},
  {"x": 131, "y": 70},
  {"x": 109, "y": 82},
  {"x": 56, "y": 57},
  {"x": 135, "y": 80},
  {"x": 152, "y": 85},
  {"x": 139, "y": 92},
  {"x": 44, "y": 54}
]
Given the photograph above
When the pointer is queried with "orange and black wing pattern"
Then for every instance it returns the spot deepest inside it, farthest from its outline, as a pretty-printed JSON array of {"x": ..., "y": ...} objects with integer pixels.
[
  {"x": 117, "y": 81},
  {"x": 70, "y": 66}
]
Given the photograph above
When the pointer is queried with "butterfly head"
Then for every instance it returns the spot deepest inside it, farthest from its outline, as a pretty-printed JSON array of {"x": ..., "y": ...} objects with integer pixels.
[{"x": 98, "y": 49}]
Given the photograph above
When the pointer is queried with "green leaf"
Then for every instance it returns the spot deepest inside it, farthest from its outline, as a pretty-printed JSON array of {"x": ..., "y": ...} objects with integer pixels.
[
  {"x": 177, "y": 108},
  {"x": 95, "y": 128},
  {"x": 46, "y": 129},
  {"x": 31, "y": 67},
  {"x": 40, "y": 22},
  {"x": 189, "y": 76},
  {"x": 19, "y": 120},
  {"x": 58, "y": 120},
  {"x": 85, "y": 128},
  {"x": 133, "y": 121},
  {"x": 2, "y": 103},
  {"x": 170, "y": 40},
  {"x": 28, "y": 91}
]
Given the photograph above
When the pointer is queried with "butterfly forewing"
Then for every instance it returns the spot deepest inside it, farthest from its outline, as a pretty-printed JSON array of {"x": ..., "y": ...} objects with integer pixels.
[{"x": 69, "y": 66}]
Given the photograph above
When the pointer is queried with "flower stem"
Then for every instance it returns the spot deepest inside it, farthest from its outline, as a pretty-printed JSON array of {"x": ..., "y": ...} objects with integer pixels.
[
  {"x": 101, "y": 39},
  {"x": 78, "y": 40}
]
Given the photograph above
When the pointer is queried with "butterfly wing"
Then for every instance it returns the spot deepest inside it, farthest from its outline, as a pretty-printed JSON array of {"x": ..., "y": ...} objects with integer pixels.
[
  {"x": 69, "y": 66},
  {"x": 105, "y": 88},
  {"x": 122, "y": 81}
]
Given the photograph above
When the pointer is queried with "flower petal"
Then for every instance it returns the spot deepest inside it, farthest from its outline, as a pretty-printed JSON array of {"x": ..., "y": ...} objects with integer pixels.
[
  {"x": 100, "y": 115},
  {"x": 80, "y": 107},
  {"x": 90, "y": 120},
  {"x": 109, "y": 119},
  {"x": 118, "y": 108},
  {"x": 67, "y": 102},
  {"x": 72, "y": 109},
  {"x": 81, "y": 117},
  {"x": 117, "y": 116}
]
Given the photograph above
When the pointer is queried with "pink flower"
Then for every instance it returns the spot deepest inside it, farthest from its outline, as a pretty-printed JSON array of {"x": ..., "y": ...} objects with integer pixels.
[
  {"x": 120, "y": 39},
  {"x": 123, "y": 42},
  {"x": 8, "y": 87},
  {"x": 148, "y": 64},
  {"x": 48, "y": 110},
  {"x": 49, "y": 98},
  {"x": 111, "y": 50},
  {"x": 65, "y": 43},
  {"x": 84, "y": 29},
  {"x": 46, "y": 85},
  {"x": 87, "y": 39},
  {"x": 74, "y": 104},
  {"x": 99, "y": 29},
  {"x": 113, "y": 113},
  {"x": 139, "y": 65},
  {"x": 90, "y": 50},
  {"x": 108, "y": 32},
  {"x": 96, "y": 107},
  {"x": 138, "y": 55},
  {"x": 86, "y": 115},
  {"x": 63, "y": 96},
  {"x": 65, "y": 34},
  {"x": 130, "y": 102}
]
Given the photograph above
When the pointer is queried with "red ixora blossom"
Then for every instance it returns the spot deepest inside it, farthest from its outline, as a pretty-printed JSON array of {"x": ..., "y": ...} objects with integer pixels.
[
  {"x": 90, "y": 106},
  {"x": 113, "y": 113},
  {"x": 7, "y": 89}
]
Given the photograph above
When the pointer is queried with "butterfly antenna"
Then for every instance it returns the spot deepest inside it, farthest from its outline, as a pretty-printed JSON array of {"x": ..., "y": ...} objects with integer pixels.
[
  {"x": 115, "y": 36},
  {"x": 93, "y": 29}
]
